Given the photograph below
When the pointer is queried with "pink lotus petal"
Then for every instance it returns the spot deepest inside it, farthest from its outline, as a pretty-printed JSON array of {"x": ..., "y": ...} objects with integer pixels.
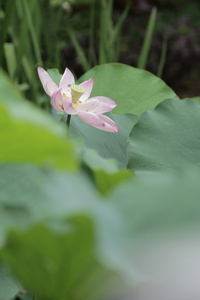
[
  {"x": 66, "y": 92},
  {"x": 44, "y": 77},
  {"x": 67, "y": 80},
  {"x": 88, "y": 85},
  {"x": 110, "y": 124},
  {"x": 97, "y": 121},
  {"x": 88, "y": 106},
  {"x": 67, "y": 105},
  {"x": 57, "y": 100},
  {"x": 51, "y": 88},
  {"x": 106, "y": 101},
  {"x": 97, "y": 105}
]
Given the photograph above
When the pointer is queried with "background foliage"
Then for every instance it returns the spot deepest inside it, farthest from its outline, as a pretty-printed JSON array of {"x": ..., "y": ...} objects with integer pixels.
[{"x": 88, "y": 214}]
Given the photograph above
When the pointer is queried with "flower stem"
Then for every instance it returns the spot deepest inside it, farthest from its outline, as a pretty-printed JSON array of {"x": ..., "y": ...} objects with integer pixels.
[{"x": 68, "y": 122}]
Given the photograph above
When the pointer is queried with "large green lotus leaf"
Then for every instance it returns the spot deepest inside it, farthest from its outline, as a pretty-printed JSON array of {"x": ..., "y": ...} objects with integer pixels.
[
  {"x": 134, "y": 90},
  {"x": 8, "y": 286},
  {"x": 197, "y": 99},
  {"x": 30, "y": 135},
  {"x": 166, "y": 138}
]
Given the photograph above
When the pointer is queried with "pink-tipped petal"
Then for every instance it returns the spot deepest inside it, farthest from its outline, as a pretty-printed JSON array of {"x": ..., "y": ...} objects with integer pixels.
[
  {"x": 98, "y": 122},
  {"x": 97, "y": 105},
  {"x": 44, "y": 77},
  {"x": 110, "y": 124},
  {"x": 67, "y": 80},
  {"x": 67, "y": 105},
  {"x": 88, "y": 85},
  {"x": 57, "y": 100},
  {"x": 51, "y": 88}
]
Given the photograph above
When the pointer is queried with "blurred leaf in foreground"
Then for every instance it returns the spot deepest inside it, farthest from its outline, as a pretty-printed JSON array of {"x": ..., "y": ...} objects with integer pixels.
[
  {"x": 8, "y": 286},
  {"x": 58, "y": 265},
  {"x": 162, "y": 215}
]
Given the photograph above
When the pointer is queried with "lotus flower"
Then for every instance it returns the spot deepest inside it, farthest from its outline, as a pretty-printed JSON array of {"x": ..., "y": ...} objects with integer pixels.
[{"x": 74, "y": 100}]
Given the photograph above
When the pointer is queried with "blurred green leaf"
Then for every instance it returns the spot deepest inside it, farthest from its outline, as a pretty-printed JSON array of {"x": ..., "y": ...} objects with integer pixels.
[
  {"x": 161, "y": 245},
  {"x": 8, "y": 286},
  {"x": 105, "y": 171},
  {"x": 156, "y": 204},
  {"x": 36, "y": 202},
  {"x": 134, "y": 90},
  {"x": 133, "y": 220},
  {"x": 96, "y": 162},
  {"x": 107, "y": 181},
  {"x": 61, "y": 258},
  {"x": 23, "y": 196},
  {"x": 66, "y": 267},
  {"x": 166, "y": 138},
  {"x": 29, "y": 194}
]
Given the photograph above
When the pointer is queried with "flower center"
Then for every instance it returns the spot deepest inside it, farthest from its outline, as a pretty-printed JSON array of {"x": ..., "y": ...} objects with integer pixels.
[
  {"x": 77, "y": 91},
  {"x": 75, "y": 105}
]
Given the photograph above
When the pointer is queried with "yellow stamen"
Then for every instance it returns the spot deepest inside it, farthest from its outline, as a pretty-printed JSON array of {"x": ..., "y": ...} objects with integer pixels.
[
  {"x": 77, "y": 91},
  {"x": 64, "y": 96},
  {"x": 75, "y": 105},
  {"x": 60, "y": 106}
]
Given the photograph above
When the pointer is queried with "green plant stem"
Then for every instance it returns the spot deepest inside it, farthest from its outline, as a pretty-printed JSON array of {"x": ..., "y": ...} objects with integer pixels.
[
  {"x": 163, "y": 58},
  {"x": 79, "y": 50},
  {"x": 34, "y": 297},
  {"x": 32, "y": 31},
  {"x": 92, "y": 55},
  {"x": 68, "y": 122},
  {"x": 147, "y": 40}
]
